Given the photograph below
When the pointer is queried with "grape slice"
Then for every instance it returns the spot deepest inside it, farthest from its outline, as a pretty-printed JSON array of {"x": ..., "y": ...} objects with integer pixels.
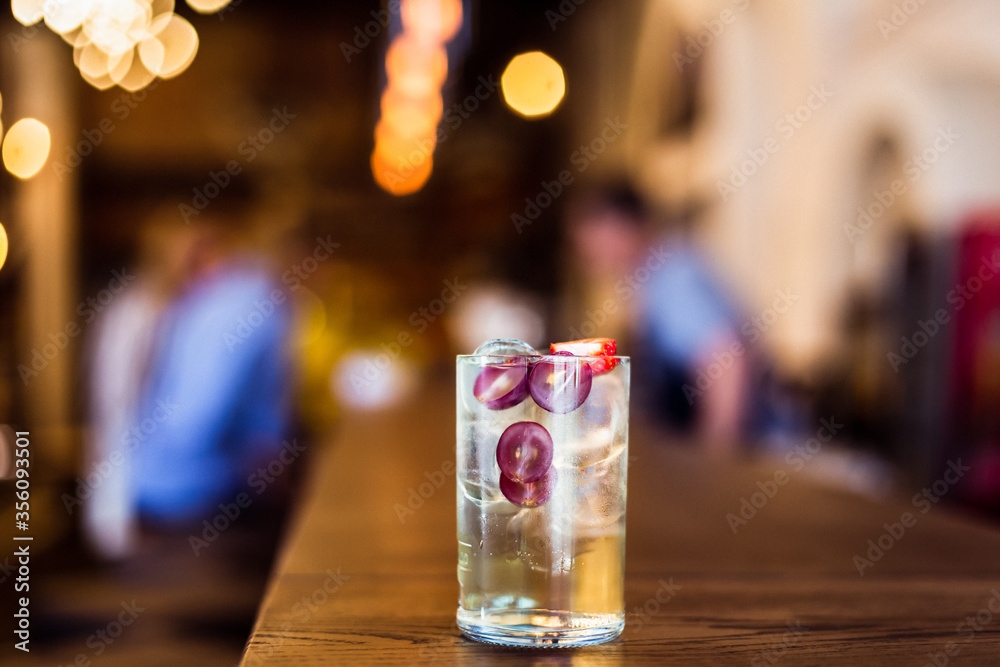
[
  {"x": 524, "y": 452},
  {"x": 560, "y": 384},
  {"x": 502, "y": 385},
  {"x": 531, "y": 494}
]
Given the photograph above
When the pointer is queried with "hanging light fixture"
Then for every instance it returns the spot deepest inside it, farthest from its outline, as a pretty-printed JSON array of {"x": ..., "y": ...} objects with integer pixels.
[
  {"x": 125, "y": 43},
  {"x": 416, "y": 66}
]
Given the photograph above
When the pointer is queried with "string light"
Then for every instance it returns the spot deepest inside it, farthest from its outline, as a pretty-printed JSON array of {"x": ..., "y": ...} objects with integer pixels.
[
  {"x": 127, "y": 43},
  {"x": 436, "y": 21},
  {"x": 416, "y": 66},
  {"x": 401, "y": 178}
]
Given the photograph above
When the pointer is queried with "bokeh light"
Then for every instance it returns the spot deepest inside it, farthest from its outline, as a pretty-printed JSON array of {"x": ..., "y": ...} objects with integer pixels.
[
  {"x": 26, "y": 147},
  {"x": 8, "y": 438},
  {"x": 402, "y": 148},
  {"x": 410, "y": 116},
  {"x": 416, "y": 66},
  {"x": 207, "y": 6},
  {"x": 431, "y": 20},
  {"x": 3, "y": 245},
  {"x": 533, "y": 84},
  {"x": 137, "y": 78},
  {"x": 384, "y": 384},
  {"x": 62, "y": 17},
  {"x": 180, "y": 45},
  {"x": 310, "y": 316},
  {"x": 121, "y": 42},
  {"x": 28, "y": 12},
  {"x": 152, "y": 54},
  {"x": 401, "y": 178}
]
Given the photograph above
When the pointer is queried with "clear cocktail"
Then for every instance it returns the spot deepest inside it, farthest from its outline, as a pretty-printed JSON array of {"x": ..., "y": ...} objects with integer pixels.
[{"x": 542, "y": 456}]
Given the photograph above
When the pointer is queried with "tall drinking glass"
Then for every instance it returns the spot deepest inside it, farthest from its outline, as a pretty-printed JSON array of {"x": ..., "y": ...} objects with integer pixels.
[{"x": 542, "y": 456}]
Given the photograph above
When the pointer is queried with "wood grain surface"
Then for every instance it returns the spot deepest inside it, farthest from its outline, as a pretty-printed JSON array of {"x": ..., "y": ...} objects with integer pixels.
[{"x": 360, "y": 581}]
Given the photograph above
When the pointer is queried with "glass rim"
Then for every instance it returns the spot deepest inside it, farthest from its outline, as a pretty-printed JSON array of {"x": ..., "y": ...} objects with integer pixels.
[{"x": 504, "y": 357}]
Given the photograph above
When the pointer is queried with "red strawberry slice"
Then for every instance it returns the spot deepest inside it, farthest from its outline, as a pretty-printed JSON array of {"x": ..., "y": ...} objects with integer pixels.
[{"x": 602, "y": 348}]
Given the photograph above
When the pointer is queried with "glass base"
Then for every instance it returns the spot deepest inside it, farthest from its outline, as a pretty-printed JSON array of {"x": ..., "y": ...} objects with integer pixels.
[{"x": 539, "y": 627}]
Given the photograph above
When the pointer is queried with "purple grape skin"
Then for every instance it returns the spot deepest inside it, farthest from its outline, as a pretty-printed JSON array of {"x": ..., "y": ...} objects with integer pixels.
[
  {"x": 524, "y": 452},
  {"x": 531, "y": 494},
  {"x": 560, "y": 386},
  {"x": 502, "y": 385}
]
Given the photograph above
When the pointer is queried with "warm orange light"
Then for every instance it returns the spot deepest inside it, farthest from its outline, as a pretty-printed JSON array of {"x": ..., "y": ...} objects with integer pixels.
[
  {"x": 180, "y": 44},
  {"x": 152, "y": 53},
  {"x": 416, "y": 66},
  {"x": 102, "y": 82},
  {"x": 93, "y": 62},
  {"x": 403, "y": 153},
  {"x": 63, "y": 17},
  {"x": 26, "y": 147},
  {"x": 138, "y": 40},
  {"x": 432, "y": 20},
  {"x": 398, "y": 180},
  {"x": 533, "y": 84},
  {"x": 114, "y": 27},
  {"x": 119, "y": 67},
  {"x": 137, "y": 77},
  {"x": 3, "y": 246},
  {"x": 408, "y": 57},
  {"x": 207, "y": 6},
  {"x": 411, "y": 116},
  {"x": 28, "y": 12}
]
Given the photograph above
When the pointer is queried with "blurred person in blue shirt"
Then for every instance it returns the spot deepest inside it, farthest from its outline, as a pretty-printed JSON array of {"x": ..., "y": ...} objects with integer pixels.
[
  {"x": 660, "y": 293},
  {"x": 116, "y": 356},
  {"x": 216, "y": 400}
]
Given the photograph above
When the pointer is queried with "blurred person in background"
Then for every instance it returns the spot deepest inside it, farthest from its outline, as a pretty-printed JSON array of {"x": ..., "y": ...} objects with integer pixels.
[
  {"x": 190, "y": 382},
  {"x": 217, "y": 392},
  {"x": 655, "y": 293},
  {"x": 118, "y": 354},
  {"x": 189, "y": 455}
]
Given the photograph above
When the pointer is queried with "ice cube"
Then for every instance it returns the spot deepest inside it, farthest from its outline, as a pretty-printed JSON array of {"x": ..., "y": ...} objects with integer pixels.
[
  {"x": 607, "y": 403},
  {"x": 479, "y": 472},
  {"x": 481, "y": 490},
  {"x": 596, "y": 450},
  {"x": 506, "y": 347}
]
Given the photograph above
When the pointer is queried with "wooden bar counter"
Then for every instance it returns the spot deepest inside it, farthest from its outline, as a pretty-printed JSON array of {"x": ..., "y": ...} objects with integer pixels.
[{"x": 367, "y": 573}]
